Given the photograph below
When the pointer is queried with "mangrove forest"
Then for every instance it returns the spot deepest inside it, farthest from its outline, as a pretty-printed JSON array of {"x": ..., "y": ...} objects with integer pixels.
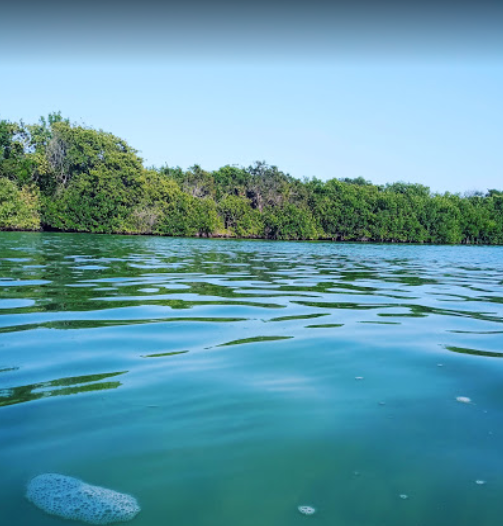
[{"x": 56, "y": 175}]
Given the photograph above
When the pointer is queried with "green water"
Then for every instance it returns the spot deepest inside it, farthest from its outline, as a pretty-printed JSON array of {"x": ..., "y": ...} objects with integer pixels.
[{"x": 216, "y": 381}]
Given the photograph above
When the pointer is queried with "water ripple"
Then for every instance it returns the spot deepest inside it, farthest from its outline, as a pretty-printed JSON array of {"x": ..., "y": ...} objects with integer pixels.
[{"x": 222, "y": 373}]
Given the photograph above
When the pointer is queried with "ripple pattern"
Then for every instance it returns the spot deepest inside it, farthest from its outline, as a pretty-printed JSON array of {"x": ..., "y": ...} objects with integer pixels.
[{"x": 222, "y": 372}]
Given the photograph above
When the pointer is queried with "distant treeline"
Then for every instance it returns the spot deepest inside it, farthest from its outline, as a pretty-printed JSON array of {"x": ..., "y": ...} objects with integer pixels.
[{"x": 55, "y": 175}]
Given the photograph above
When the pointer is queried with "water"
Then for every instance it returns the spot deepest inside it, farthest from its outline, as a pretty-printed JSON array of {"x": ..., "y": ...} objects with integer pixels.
[{"x": 230, "y": 382}]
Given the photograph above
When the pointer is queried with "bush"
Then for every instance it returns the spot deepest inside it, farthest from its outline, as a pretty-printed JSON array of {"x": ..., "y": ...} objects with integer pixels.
[{"x": 19, "y": 207}]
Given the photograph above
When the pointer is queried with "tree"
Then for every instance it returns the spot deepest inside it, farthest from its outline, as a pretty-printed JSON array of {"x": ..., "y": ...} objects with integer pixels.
[
  {"x": 239, "y": 218},
  {"x": 19, "y": 208},
  {"x": 74, "y": 178},
  {"x": 289, "y": 222},
  {"x": 14, "y": 163},
  {"x": 267, "y": 186}
]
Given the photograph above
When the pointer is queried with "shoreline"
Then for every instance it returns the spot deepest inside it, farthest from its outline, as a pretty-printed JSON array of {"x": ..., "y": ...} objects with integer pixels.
[{"x": 230, "y": 237}]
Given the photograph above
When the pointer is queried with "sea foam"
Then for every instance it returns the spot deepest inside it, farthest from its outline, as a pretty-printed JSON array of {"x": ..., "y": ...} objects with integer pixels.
[{"x": 70, "y": 498}]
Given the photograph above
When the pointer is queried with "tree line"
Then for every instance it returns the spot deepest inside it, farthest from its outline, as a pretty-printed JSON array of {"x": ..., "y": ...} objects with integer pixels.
[{"x": 55, "y": 175}]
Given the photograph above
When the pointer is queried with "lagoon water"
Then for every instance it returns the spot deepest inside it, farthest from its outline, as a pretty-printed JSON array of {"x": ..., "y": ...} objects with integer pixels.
[{"x": 225, "y": 382}]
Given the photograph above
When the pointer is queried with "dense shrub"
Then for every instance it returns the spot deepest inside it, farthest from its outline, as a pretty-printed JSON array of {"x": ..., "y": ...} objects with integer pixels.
[
  {"x": 80, "y": 179},
  {"x": 19, "y": 207}
]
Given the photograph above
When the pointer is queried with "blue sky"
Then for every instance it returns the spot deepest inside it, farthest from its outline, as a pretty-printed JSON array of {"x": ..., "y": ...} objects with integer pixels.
[{"x": 336, "y": 96}]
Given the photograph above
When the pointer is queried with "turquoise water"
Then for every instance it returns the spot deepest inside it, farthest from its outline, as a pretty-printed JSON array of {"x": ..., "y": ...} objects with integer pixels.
[{"x": 229, "y": 382}]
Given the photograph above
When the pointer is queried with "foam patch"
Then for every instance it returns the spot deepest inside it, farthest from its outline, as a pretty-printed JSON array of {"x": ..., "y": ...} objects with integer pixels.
[
  {"x": 73, "y": 499},
  {"x": 306, "y": 510}
]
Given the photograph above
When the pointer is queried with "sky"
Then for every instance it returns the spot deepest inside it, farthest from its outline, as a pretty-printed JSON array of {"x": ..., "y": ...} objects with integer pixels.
[{"x": 387, "y": 91}]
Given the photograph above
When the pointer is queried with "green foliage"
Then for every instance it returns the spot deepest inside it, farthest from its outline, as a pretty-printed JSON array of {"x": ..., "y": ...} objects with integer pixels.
[
  {"x": 267, "y": 186},
  {"x": 408, "y": 189},
  {"x": 195, "y": 182},
  {"x": 100, "y": 201},
  {"x": 93, "y": 180},
  {"x": 19, "y": 207},
  {"x": 79, "y": 179},
  {"x": 231, "y": 180},
  {"x": 14, "y": 163},
  {"x": 289, "y": 222},
  {"x": 189, "y": 216},
  {"x": 441, "y": 219},
  {"x": 360, "y": 181},
  {"x": 343, "y": 210},
  {"x": 239, "y": 218},
  {"x": 158, "y": 193}
]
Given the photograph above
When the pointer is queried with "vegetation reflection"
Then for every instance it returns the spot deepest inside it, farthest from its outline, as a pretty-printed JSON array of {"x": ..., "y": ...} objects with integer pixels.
[
  {"x": 60, "y": 387},
  {"x": 255, "y": 339}
]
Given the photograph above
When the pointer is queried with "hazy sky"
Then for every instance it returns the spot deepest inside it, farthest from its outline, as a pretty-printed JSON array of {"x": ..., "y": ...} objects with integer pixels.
[{"x": 317, "y": 89}]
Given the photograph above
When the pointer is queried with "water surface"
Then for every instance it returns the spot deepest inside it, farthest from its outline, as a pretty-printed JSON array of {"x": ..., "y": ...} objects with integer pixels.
[{"x": 229, "y": 382}]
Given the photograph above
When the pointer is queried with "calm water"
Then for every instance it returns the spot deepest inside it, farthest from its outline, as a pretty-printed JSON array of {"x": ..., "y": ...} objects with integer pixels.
[{"x": 228, "y": 382}]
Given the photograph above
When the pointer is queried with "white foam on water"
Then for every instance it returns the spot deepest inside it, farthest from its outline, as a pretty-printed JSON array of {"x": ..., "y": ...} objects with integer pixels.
[
  {"x": 70, "y": 498},
  {"x": 306, "y": 510}
]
